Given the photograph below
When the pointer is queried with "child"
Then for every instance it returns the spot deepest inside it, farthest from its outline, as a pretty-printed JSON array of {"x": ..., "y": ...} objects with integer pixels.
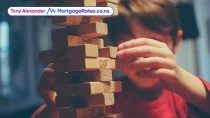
[{"x": 148, "y": 35}]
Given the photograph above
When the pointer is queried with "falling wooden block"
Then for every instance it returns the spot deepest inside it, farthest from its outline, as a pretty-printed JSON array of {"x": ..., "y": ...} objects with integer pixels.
[
  {"x": 63, "y": 41},
  {"x": 84, "y": 101},
  {"x": 109, "y": 4},
  {"x": 65, "y": 2},
  {"x": 93, "y": 88},
  {"x": 108, "y": 52},
  {"x": 85, "y": 112},
  {"x": 85, "y": 30},
  {"x": 73, "y": 20},
  {"x": 112, "y": 1},
  {"x": 110, "y": 115},
  {"x": 76, "y": 64}
]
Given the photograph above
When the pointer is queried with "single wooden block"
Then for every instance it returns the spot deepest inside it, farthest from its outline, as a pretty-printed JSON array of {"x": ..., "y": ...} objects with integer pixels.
[
  {"x": 109, "y": 4},
  {"x": 70, "y": 101},
  {"x": 110, "y": 115},
  {"x": 85, "y": 30},
  {"x": 85, "y": 112},
  {"x": 108, "y": 52},
  {"x": 117, "y": 64},
  {"x": 63, "y": 41},
  {"x": 73, "y": 20},
  {"x": 63, "y": 78},
  {"x": 46, "y": 56},
  {"x": 76, "y": 64},
  {"x": 100, "y": 75},
  {"x": 101, "y": 100},
  {"x": 65, "y": 2},
  {"x": 112, "y": 1},
  {"x": 85, "y": 64},
  {"x": 82, "y": 51},
  {"x": 83, "y": 76},
  {"x": 106, "y": 63},
  {"x": 64, "y": 89},
  {"x": 84, "y": 101},
  {"x": 93, "y": 88}
]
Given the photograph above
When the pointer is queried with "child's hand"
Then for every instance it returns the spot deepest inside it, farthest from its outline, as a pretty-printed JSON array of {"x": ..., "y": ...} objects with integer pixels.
[
  {"x": 46, "y": 85},
  {"x": 150, "y": 59},
  {"x": 46, "y": 90}
]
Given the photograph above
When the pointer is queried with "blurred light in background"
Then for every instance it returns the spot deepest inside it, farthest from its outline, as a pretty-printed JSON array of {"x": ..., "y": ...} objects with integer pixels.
[{"x": 4, "y": 59}]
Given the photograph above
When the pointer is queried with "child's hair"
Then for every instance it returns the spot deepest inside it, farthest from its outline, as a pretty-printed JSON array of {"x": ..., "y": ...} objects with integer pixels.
[{"x": 160, "y": 16}]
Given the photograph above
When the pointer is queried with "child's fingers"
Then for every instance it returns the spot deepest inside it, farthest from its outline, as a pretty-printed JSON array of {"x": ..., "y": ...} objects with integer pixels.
[
  {"x": 51, "y": 65},
  {"x": 47, "y": 80},
  {"x": 47, "y": 95},
  {"x": 143, "y": 51},
  {"x": 151, "y": 62},
  {"x": 157, "y": 73},
  {"x": 141, "y": 42},
  {"x": 46, "y": 85}
]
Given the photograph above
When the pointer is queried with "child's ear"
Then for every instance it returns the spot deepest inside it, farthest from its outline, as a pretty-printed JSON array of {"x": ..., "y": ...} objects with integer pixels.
[{"x": 178, "y": 41}]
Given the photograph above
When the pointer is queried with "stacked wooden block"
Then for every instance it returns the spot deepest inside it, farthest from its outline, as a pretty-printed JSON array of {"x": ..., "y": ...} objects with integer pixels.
[{"x": 83, "y": 65}]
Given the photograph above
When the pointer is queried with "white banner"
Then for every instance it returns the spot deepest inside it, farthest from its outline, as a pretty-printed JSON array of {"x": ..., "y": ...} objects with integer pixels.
[{"x": 60, "y": 11}]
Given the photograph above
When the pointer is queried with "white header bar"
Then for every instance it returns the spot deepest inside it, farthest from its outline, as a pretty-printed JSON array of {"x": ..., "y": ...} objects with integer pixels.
[{"x": 60, "y": 11}]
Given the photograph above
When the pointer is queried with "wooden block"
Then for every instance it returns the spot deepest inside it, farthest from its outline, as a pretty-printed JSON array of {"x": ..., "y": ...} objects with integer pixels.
[
  {"x": 84, "y": 101},
  {"x": 63, "y": 78},
  {"x": 110, "y": 115},
  {"x": 88, "y": 88},
  {"x": 85, "y": 112},
  {"x": 85, "y": 30},
  {"x": 65, "y": 2},
  {"x": 70, "y": 101},
  {"x": 109, "y": 4},
  {"x": 100, "y": 75},
  {"x": 108, "y": 52},
  {"x": 82, "y": 51},
  {"x": 84, "y": 64},
  {"x": 93, "y": 88},
  {"x": 105, "y": 63},
  {"x": 63, "y": 41},
  {"x": 76, "y": 64},
  {"x": 73, "y": 20},
  {"x": 46, "y": 56},
  {"x": 83, "y": 76},
  {"x": 64, "y": 89},
  {"x": 87, "y": 50},
  {"x": 118, "y": 64},
  {"x": 112, "y": 1},
  {"x": 100, "y": 100}
]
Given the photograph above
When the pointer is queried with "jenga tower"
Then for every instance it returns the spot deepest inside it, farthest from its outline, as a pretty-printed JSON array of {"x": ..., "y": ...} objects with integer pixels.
[{"x": 83, "y": 65}]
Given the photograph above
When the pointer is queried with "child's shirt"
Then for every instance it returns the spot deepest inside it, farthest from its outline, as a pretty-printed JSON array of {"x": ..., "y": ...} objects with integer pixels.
[{"x": 169, "y": 105}]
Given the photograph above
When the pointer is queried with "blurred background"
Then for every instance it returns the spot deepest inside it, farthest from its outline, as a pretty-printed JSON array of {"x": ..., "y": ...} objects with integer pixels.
[{"x": 21, "y": 39}]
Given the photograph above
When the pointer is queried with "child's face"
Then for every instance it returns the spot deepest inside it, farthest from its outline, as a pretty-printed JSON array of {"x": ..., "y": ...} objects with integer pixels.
[{"x": 143, "y": 32}]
